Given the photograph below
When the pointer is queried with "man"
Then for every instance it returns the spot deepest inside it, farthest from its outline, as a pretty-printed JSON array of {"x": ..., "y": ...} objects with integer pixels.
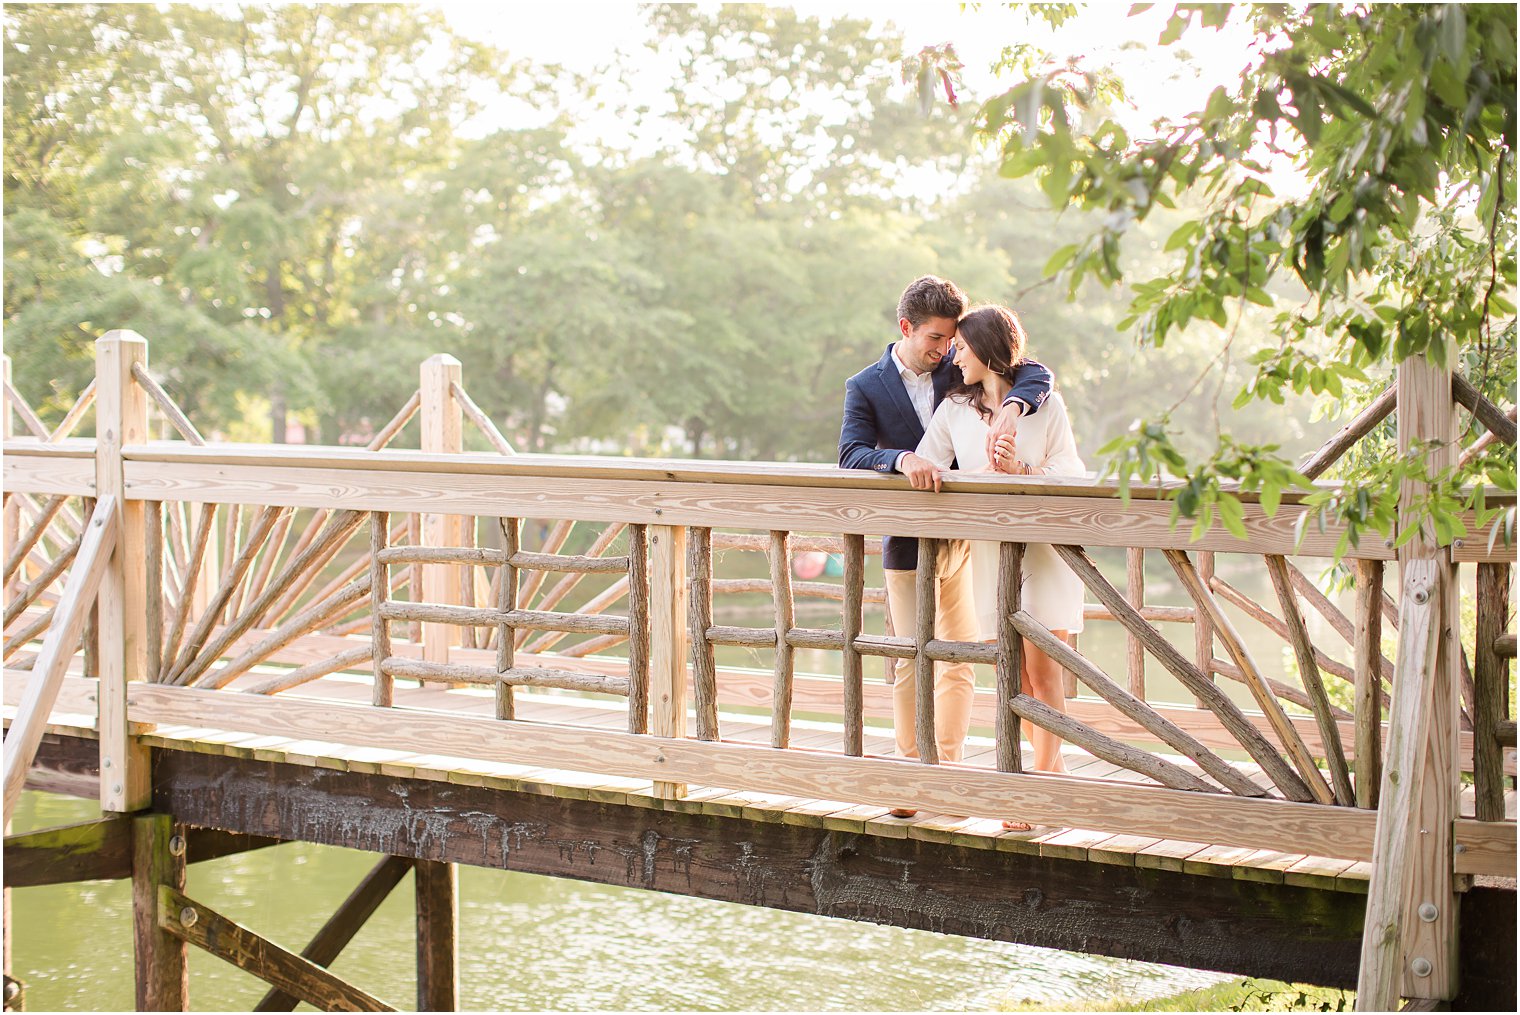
[{"x": 887, "y": 407}]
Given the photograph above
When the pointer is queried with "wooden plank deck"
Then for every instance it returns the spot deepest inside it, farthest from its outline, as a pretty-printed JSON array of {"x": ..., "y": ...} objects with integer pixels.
[{"x": 975, "y": 831}]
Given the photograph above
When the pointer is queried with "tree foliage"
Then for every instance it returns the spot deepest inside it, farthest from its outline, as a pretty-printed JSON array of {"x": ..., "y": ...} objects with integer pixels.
[
  {"x": 1389, "y": 131},
  {"x": 297, "y": 205}
]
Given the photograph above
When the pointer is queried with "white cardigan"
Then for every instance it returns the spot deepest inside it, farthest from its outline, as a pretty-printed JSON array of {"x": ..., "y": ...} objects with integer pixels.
[{"x": 1051, "y": 592}]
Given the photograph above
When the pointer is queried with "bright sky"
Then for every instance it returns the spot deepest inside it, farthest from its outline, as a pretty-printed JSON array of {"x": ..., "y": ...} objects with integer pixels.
[{"x": 587, "y": 34}]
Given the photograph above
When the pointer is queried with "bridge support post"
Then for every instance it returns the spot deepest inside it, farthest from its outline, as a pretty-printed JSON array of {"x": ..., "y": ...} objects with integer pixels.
[
  {"x": 441, "y": 434},
  {"x": 158, "y": 859},
  {"x": 1410, "y": 936},
  {"x": 121, "y": 418},
  {"x": 437, "y": 936}
]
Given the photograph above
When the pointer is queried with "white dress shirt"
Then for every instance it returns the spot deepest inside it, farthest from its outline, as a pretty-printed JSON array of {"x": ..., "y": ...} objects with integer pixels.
[{"x": 920, "y": 392}]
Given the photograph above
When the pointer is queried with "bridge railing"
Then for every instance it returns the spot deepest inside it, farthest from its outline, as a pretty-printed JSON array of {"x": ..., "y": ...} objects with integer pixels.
[{"x": 419, "y": 566}]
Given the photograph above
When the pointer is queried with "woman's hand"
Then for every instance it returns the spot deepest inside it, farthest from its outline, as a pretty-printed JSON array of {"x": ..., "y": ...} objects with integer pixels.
[{"x": 1005, "y": 456}]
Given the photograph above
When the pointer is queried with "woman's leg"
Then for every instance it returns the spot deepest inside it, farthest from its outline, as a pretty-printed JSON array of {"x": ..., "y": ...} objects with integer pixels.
[{"x": 1047, "y": 684}]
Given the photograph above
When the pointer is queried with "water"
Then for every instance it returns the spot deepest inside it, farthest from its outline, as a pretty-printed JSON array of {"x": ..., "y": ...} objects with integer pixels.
[{"x": 535, "y": 943}]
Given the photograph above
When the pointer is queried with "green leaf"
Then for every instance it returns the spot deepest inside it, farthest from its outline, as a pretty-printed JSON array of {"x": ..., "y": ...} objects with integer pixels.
[
  {"x": 1060, "y": 259},
  {"x": 1271, "y": 497}
]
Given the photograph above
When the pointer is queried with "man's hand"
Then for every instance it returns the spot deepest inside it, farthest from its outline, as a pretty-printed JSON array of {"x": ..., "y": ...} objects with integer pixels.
[
  {"x": 922, "y": 473},
  {"x": 1003, "y": 425}
]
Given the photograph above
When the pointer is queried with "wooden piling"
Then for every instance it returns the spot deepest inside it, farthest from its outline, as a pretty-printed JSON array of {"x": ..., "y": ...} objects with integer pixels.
[
  {"x": 158, "y": 861},
  {"x": 437, "y": 936}
]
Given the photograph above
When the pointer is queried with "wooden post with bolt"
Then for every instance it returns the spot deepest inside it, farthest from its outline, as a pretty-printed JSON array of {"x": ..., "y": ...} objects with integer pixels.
[
  {"x": 1409, "y": 936},
  {"x": 121, "y": 419}
]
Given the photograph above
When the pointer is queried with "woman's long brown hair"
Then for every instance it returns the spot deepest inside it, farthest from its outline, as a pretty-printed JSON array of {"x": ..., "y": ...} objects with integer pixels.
[{"x": 997, "y": 338}]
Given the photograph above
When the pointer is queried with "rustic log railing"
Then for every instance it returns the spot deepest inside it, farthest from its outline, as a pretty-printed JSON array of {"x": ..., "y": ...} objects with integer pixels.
[{"x": 298, "y": 556}]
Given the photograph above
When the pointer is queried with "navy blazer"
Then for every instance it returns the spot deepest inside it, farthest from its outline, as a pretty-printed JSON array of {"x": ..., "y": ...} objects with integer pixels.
[{"x": 880, "y": 424}]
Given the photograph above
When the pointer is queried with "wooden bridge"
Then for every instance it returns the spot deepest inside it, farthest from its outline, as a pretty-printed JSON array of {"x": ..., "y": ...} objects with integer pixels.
[{"x": 234, "y": 646}]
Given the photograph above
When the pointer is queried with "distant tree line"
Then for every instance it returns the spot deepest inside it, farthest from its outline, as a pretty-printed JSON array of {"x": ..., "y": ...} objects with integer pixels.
[{"x": 292, "y": 205}]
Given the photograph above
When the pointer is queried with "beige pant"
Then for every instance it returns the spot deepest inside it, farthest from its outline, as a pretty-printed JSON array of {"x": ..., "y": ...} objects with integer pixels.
[{"x": 955, "y": 619}]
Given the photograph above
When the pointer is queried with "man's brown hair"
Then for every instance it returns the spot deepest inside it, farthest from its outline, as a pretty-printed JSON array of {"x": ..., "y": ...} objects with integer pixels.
[{"x": 931, "y": 296}]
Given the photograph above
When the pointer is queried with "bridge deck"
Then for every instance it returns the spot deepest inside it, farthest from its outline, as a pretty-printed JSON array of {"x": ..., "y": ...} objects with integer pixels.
[{"x": 981, "y": 832}]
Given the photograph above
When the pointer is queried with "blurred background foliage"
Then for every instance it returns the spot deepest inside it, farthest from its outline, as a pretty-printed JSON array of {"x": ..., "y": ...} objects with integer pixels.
[{"x": 297, "y": 204}]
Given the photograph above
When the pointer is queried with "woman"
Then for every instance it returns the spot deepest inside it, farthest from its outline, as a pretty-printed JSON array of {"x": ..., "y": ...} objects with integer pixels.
[{"x": 989, "y": 345}]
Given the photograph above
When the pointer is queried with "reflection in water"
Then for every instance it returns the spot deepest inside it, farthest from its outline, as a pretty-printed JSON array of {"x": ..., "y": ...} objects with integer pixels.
[{"x": 532, "y": 943}]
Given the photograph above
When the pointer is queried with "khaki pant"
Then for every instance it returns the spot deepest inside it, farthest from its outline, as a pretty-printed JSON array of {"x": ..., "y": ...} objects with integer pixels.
[{"x": 955, "y": 619}]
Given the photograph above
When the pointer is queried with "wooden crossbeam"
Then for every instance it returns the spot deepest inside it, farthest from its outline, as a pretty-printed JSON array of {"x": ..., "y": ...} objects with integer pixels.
[
  {"x": 172, "y": 412},
  {"x": 24, "y": 410},
  {"x": 1308, "y": 672},
  {"x": 1035, "y": 711},
  {"x": 29, "y": 538},
  {"x": 313, "y": 670},
  {"x": 517, "y": 676},
  {"x": 562, "y": 588},
  {"x": 1292, "y": 743},
  {"x": 474, "y": 414},
  {"x": 333, "y": 536},
  {"x": 237, "y": 945},
  {"x": 1133, "y": 707},
  {"x": 74, "y": 415},
  {"x": 1489, "y": 414},
  {"x": 346, "y": 921},
  {"x": 1213, "y": 698},
  {"x": 603, "y": 599},
  {"x": 87, "y": 851},
  {"x": 1346, "y": 436},
  {"x": 257, "y": 533},
  {"x": 811, "y": 590},
  {"x": 305, "y": 622},
  {"x": 523, "y": 620},
  {"x": 101, "y": 850},
  {"x": 38, "y": 585}
]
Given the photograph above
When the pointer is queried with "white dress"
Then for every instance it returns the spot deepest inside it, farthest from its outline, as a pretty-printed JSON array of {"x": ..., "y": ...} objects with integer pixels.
[{"x": 1051, "y": 591}]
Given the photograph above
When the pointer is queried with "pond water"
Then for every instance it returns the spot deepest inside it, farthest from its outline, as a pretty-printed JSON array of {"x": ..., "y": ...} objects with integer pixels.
[{"x": 534, "y": 943}]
